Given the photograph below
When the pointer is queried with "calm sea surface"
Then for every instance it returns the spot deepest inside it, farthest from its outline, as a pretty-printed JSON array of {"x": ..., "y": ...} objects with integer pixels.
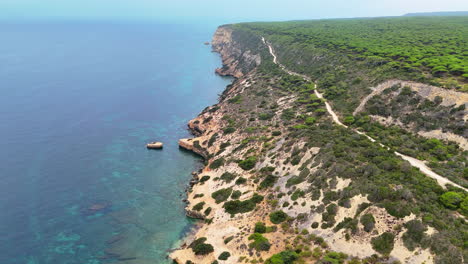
[{"x": 78, "y": 103}]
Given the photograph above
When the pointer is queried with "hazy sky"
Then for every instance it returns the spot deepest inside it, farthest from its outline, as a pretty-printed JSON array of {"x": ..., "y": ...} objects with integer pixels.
[{"x": 234, "y": 10}]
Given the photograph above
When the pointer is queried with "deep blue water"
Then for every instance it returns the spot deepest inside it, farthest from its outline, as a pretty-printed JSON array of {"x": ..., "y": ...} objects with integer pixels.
[{"x": 78, "y": 103}]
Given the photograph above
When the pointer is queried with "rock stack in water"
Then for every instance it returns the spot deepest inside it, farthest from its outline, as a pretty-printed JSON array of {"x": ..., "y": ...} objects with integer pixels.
[{"x": 154, "y": 145}]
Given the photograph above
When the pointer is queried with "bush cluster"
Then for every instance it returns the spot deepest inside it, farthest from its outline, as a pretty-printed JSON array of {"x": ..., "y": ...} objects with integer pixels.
[
  {"x": 278, "y": 217},
  {"x": 236, "y": 206}
]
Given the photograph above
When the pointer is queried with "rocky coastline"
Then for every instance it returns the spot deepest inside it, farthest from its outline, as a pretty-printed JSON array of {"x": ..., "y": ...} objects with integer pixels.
[{"x": 227, "y": 136}]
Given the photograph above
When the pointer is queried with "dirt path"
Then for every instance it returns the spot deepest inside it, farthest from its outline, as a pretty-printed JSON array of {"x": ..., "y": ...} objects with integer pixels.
[{"x": 414, "y": 162}]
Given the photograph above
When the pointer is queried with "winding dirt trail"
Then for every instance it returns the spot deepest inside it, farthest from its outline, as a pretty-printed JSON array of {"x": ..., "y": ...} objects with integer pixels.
[{"x": 414, "y": 162}]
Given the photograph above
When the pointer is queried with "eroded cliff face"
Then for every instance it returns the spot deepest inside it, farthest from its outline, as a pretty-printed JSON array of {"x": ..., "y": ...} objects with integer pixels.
[{"x": 237, "y": 60}]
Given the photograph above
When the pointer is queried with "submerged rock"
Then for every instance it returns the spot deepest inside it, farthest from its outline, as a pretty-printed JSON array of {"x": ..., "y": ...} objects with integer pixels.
[{"x": 96, "y": 207}]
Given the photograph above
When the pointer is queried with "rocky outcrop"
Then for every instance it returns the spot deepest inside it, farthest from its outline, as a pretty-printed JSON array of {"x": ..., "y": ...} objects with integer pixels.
[
  {"x": 192, "y": 144},
  {"x": 194, "y": 214},
  {"x": 196, "y": 127},
  {"x": 237, "y": 61}
]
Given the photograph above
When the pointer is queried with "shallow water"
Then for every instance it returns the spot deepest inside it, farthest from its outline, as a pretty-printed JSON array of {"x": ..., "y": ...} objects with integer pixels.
[{"x": 78, "y": 103}]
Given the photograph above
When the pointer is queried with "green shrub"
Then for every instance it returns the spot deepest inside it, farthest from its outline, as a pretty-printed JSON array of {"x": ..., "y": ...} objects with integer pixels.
[
  {"x": 224, "y": 256},
  {"x": 267, "y": 169},
  {"x": 397, "y": 209},
  {"x": 248, "y": 163},
  {"x": 349, "y": 120},
  {"x": 199, "y": 246},
  {"x": 310, "y": 120},
  {"x": 333, "y": 258},
  {"x": 228, "y": 239},
  {"x": 368, "y": 221},
  {"x": 217, "y": 163},
  {"x": 207, "y": 211},
  {"x": 300, "y": 126},
  {"x": 464, "y": 206},
  {"x": 276, "y": 133},
  {"x": 236, "y": 206},
  {"x": 278, "y": 217},
  {"x": 260, "y": 228},
  {"x": 229, "y": 130},
  {"x": 288, "y": 114},
  {"x": 236, "y": 194},
  {"x": 284, "y": 257},
  {"x": 212, "y": 139},
  {"x": 224, "y": 145},
  {"x": 294, "y": 180},
  {"x": 266, "y": 116},
  {"x": 269, "y": 181},
  {"x": 297, "y": 194},
  {"x": 383, "y": 243},
  {"x": 414, "y": 234},
  {"x": 203, "y": 249},
  {"x": 197, "y": 241},
  {"x": 347, "y": 223},
  {"x": 260, "y": 243},
  {"x": 221, "y": 195},
  {"x": 204, "y": 178},
  {"x": 314, "y": 225},
  {"x": 236, "y": 99},
  {"x": 320, "y": 111},
  {"x": 330, "y": 196},
  {"x": 296, "y": 159},
  {"x": 227, "y": 177},
  {"x": 241, "y": 180},
  {"x": 198, "y": 206},
  {"x": 451, "y": 200}
]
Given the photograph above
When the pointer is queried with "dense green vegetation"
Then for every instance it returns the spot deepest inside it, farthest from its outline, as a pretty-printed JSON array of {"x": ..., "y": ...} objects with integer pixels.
[
  {"x": 198, "y": 206},
  {"x": 415, "y": 235},
  {"x": 236, "y": 206},
  {"x": 224, "y": 256},
  {"x": 284, "y": 257},
  {"x": 383, "y": 243},
  {"x": 248, "y": 163},
  {"x": 199, "y": 247},
  {"x": 444, "y": 158},
  {"x": 278, "y": 217},
  {"x": 389, "y": 182},
  {"x": 412, "y": 110},
  {"x": 368, "y": 222},
  {"x": 221, "y": 195},
  {"x": 260, "y": 243},
  {"x": 424, "y": 45},
  {"x": 347, "y": 56},
  {"x": 217, "y": 163},
  {"x": 260, "y": 228}
]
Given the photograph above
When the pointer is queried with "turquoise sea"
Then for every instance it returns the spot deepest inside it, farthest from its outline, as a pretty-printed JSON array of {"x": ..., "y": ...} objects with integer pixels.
[{"x": 78, "y": 103}]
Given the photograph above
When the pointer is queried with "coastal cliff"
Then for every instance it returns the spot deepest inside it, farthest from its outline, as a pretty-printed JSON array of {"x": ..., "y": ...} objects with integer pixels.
[
  {"x": 237, "y": 60},
  {"x": 282, "y": 182}
]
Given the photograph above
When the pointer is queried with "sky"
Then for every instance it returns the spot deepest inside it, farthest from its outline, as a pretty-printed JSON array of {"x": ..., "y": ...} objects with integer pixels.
[{"x": 220, "y": 10}]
